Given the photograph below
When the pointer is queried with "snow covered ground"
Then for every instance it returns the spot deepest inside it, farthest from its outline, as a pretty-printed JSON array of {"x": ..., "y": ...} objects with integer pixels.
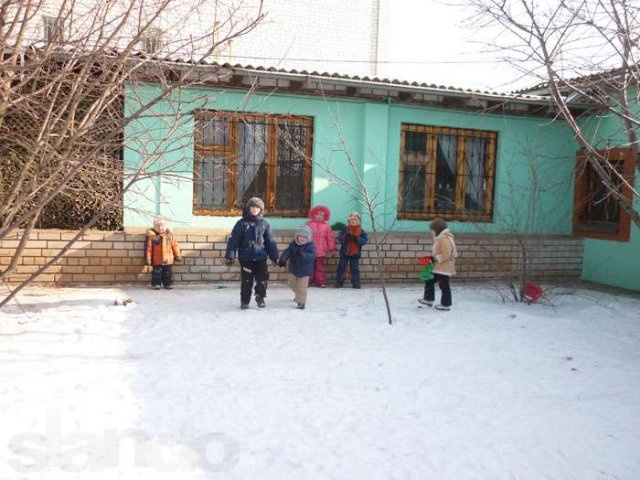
[{"x": 183, "y": 385}]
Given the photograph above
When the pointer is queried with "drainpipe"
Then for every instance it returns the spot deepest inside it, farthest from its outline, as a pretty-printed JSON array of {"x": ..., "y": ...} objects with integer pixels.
[{"x": 376, "y": 39}]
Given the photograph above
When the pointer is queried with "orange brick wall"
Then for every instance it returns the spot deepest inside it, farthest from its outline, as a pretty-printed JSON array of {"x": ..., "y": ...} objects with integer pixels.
[{"x": 117, "y": 257}]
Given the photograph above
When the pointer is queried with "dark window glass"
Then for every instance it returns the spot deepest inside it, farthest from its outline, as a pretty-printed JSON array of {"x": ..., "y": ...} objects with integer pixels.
[
  {"x": 242, "y": 156},
  {"x": 446, "y": 171}
]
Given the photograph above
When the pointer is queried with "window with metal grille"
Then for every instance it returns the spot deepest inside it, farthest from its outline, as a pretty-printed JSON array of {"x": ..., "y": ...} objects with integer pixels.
[
  {"x": 52, "y": 29},
  {"x": 597, "y": 212},
  {"x": 152, "y": 41},
  {"x": 446, "y": 171},
  {"x": 239, "y": 156}
]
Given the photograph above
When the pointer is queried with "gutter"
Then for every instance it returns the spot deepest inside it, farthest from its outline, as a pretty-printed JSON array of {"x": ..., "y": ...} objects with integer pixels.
[{"x": 441, "y": 91}]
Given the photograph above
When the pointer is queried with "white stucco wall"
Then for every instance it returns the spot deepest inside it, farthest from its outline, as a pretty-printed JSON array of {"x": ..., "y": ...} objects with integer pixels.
[
  {"x": 315, "y": 35},
  {"x": 327, "y": 36}
]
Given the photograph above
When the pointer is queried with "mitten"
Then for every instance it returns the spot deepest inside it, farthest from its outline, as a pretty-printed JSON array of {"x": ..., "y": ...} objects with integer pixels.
[
  {"x": 282, "y": 263},
  {"x": 178, "y": 259},
  {"x": 274, "y": 263},
  {"x": 229, "y": 262}
]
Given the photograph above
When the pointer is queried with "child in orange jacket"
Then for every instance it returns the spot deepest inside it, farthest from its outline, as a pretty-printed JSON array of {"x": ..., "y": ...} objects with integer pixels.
[{"x": 161, "y": 251}]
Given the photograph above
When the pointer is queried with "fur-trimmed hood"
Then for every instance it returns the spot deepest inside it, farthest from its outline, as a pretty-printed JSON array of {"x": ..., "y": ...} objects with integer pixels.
[{"x": 320, "y": 208}]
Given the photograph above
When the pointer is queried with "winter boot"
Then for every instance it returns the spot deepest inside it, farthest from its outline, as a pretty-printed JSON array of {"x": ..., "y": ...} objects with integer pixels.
[
  {"x": 428, "y": 303},
  {"x": 260, "y": 301}
]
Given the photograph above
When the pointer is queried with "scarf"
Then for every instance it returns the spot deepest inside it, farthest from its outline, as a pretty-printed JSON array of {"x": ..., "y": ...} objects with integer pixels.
[{"x": 352, "y": 242}]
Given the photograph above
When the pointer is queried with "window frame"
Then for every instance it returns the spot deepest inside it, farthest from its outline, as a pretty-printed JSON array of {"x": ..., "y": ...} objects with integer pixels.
[
  {"x": 462, "y": 134},
  {"x": 152, "y": 42},
  {"x": 580, "y": 195},
  {"x": 53, "y": 29},
  {"x": 230, "y": 150}
]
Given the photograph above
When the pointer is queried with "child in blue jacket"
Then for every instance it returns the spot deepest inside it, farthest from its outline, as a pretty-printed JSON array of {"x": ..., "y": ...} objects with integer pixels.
[
  {"x": 301, "y": 255},
  {"x": 253, "y": 240}
]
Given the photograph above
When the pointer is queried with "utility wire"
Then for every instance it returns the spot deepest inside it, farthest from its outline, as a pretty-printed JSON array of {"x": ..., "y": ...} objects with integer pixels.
[{"x": 403, "y": 62}]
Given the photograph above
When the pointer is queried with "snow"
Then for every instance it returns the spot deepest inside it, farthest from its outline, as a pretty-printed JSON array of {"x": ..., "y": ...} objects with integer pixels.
[{"x": 182, "y": 384}]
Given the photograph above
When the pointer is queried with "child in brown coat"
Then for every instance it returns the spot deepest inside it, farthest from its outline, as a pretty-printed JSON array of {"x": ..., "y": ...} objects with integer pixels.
[{"x": 444, "y": 253}]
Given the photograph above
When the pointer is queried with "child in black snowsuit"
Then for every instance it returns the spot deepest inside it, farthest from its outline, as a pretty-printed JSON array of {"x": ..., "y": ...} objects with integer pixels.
[{"x": 253, "y": 240}]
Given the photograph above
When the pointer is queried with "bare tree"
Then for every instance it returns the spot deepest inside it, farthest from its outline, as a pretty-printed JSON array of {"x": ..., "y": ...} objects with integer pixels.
[
  {"x": 595, "y": 42},
  {"x": 369, "y": 197},
  {"x": 523, "y": 218},
  {"x": 64, "y": 71}
]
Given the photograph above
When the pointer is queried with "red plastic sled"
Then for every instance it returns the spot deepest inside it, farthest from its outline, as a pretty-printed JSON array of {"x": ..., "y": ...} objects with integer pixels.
[{"x": 532, "y": 292}]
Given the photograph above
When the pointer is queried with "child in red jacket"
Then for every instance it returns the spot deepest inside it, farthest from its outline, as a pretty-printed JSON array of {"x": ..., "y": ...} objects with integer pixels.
[
  {"x": 161, "y": 252},
  {"x": 323, "y": 240}
]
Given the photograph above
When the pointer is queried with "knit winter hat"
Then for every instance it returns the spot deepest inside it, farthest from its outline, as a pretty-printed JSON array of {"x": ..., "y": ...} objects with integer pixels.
[
  {"x": 303, "y": 231},
  {"x": 256, "y": 202},
  {"x": 438, "y": 225},
  {"x": 356, "y": 215}
]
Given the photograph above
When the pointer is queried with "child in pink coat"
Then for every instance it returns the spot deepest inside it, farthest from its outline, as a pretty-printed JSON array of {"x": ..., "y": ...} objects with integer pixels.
[{"x": 324, "y": 241}]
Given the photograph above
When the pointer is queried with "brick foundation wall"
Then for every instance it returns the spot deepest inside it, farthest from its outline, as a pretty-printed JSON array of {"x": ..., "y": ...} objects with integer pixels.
[{"x": 117, "y": 257}]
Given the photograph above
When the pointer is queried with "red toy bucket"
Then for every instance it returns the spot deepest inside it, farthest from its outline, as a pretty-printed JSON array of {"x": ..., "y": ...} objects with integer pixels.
[{"x": 532, "y": 292}]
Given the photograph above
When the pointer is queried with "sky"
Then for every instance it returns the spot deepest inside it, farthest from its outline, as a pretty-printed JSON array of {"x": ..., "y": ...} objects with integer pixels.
[
  {"x": 418, "y": 40},
  {"x": 129, "y": 383},
  {"x": 429, "y": 42}
]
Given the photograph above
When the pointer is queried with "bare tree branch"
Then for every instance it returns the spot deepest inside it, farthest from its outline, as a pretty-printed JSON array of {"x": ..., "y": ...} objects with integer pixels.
[
  {"x": 62, "y": 108},
  {"x": 585, "y": 39}
]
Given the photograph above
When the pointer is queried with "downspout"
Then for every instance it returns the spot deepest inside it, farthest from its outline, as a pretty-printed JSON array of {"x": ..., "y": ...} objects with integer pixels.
[
  {"x": 376, "y": 39},
  {"x": 386, "y": 166}
]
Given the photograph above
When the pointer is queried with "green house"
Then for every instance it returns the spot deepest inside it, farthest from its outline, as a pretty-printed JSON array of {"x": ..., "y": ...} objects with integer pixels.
[{"x": 490, "y": 164}]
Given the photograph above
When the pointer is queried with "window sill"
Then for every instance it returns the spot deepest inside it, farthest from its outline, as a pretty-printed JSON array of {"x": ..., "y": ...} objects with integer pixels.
[
  {"x": 485, "y": 218},
  {"x": 619, "y": 236},
  {"x": 199, "y": 212}
]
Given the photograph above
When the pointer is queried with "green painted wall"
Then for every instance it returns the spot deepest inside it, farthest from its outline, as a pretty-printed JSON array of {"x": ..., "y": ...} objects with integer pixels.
[
  {"x": 607, "y": 262},
  {"x": 534, "y": 170},
  {"x": 531, "y": 151}
]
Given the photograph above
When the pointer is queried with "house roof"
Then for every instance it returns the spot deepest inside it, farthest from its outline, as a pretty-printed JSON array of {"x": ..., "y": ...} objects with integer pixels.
[
  {"x": 326, "y": 84},
  {"x": 583, "y": 81}
]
